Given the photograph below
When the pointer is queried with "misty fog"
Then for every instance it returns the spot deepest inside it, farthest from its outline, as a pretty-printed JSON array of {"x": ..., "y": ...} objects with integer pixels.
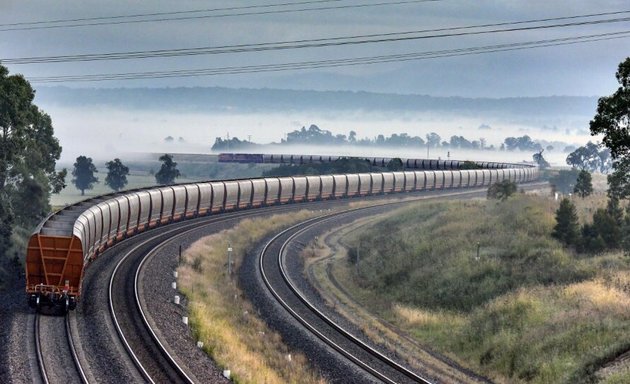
[{"x": 105, "y": 132}]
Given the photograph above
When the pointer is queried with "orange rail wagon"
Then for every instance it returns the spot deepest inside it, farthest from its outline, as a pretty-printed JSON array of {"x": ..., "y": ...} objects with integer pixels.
[{"x": 54, "y": 268}]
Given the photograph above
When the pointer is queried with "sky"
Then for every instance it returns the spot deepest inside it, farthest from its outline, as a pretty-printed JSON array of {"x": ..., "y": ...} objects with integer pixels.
[
  {"x": 581, "y": 69},
  {"x": 585, "y": 69}
]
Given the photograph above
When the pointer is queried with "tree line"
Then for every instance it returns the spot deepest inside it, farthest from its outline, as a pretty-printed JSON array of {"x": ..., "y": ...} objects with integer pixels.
[
  {"x": 314, "y": 135},
  {"x": 28, "y": 155},
  {"x": 610, "y": 226},
  {"x": 84, "y": 170}
]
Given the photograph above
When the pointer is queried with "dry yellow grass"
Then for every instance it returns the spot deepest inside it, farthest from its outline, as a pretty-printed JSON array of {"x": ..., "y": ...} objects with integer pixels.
[
  {"x": 224, "y": 321},
  {"x": 598, "y": 296},
  {"x": 419, "y": 317}
]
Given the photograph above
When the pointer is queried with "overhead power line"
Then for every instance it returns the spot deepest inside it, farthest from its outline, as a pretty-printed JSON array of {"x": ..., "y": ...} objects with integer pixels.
[
  {"x": 330, "y": 42},
  {"x": 427, "y": 55},
  {"x": 193, "y": 14}
]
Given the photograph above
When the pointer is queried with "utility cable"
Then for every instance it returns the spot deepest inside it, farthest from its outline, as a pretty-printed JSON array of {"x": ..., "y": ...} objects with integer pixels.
[
  {"x": 336, "y": 62},
  {"x": 318, "y": 43},
  {"x": 89, "y": 22}
]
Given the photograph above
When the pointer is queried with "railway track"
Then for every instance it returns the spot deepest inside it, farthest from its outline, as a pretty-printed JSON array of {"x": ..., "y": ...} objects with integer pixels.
[
  {"x": 276, "y": 278},
  {"x": 126, "y": 315},
  {"x": 149, "y": 354},
  {"x": 57, "y": 360},
  {"x": 280, "y": 254},
  {"x": 153, "y": 360}
]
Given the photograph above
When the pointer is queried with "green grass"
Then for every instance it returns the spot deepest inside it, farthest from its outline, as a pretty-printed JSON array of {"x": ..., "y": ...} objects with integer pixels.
[
  {"x": 525, "y": 311},
  {"x": 427, "y": 255}
]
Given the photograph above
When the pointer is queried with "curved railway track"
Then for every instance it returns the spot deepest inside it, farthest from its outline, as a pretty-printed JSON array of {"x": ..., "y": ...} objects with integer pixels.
[
  {"x": 128, "y": 319},
  {"x": 153, "y": 360},
  {"x": 58, "y": 361},
  {"x": 274, "y": 274}
]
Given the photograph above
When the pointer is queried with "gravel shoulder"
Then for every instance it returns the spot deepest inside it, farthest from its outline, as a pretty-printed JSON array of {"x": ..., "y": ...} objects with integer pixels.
[{"x": 17, "y": 358}]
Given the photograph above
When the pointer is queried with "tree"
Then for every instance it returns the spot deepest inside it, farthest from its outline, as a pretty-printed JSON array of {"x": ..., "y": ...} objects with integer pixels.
[
  {"x": 117, "y": 173},
  {"x": 607, "y": 227},
  {"x": 590, "y": 157},
  {"x": 625, "y": 232},
  {"x": 6, "y": 222},
  {"x": 168, "y": 171},
  {"x": 566, "y": 228},
  {"x": 604, "y": 233},
  {"x": 433, "y": 140},
  {"x": 583, "y": 185},
  {"x": 540, "y": 160},
  {"x": 502, "y": 190},
  {"x": 564, "y": 181},
  {"x": 614, "y": 209},
  {"x": 28, "y": 155},
  {"x": 613, "y": 122},
  {"x": 523, "y": 143},
  {"x": 395, "y": 164},
  {"x": 83, "y": 173}
]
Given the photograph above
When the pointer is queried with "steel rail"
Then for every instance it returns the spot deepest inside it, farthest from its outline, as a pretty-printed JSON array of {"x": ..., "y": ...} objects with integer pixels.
[
  {"x": 38, "y": 352},
  {"x": 73, "y": 350},
  {"x": 192, "y": 227},
  {"x": 398, "y": 367},
  {"x": 309, "y": 223},
  {"x": 119, "y": 330},
  {"x": 40, "y": 355}
]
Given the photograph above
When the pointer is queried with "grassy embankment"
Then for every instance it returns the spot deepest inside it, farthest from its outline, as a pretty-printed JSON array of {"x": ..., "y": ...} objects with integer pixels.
[
  {"x": 225, "y": 321},
  {"x": 526, "y": 310}
]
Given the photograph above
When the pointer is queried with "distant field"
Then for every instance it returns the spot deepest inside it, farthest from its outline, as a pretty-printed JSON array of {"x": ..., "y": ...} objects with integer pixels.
[
  {"x": 193, "y": 168},
  {"x": 71, "y": 195}
]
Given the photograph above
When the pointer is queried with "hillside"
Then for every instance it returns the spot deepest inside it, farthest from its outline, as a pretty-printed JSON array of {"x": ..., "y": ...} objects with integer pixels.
[{"x": 205, "y": 99}]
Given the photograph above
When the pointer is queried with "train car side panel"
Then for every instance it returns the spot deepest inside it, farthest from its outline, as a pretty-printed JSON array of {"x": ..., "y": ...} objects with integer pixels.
[
  {"x": 205, "y": 198},
  {"x": 231, "y": 195},
  {"x": 353, "y": 184},
  {"x": 258, "y": 194},
  {"x": 245, "y": 192},
  {"x": 180, "y": 194},
  {"x": 192, "y": 202},
  {"x": 168, "y": 203},
  {"x": 299, "y": 193},
  {"x": 273, "y": 191},
  {"x": 286, "y": 189}
]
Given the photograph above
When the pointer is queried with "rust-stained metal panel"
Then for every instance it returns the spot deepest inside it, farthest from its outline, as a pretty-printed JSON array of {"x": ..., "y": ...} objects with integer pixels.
[{"x": 53, "y": 261}]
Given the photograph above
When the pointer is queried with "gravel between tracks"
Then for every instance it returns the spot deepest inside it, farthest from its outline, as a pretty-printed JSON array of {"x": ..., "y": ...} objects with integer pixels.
[
  {"x": 56, "y": 352},
  {"x": 17, "y": 351},
  {"x": 166, "y": 318}
]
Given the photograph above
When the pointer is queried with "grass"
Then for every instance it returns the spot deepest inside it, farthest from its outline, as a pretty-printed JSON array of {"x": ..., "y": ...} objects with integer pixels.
[
  {"x": 431, "y": 253},
  {"x": 225, "y": 321},
  {"x": 525, "y": 311}
]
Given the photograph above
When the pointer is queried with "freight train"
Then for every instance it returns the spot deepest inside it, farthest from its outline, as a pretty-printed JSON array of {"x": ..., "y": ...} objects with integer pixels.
[
  {"x": 428, "y": 164},
  {"x": 66, "y": 241}
]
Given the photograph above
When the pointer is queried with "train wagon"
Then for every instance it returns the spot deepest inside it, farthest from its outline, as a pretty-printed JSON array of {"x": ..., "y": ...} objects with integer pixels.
[{"x": 66, "y": 241}]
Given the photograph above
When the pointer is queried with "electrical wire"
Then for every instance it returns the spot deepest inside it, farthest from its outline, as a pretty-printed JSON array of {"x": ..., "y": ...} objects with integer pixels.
[
  {"x": 307, "y": 65},
  {"x": 324, "y": 42},
  {"x": 90, "y": 22}
]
